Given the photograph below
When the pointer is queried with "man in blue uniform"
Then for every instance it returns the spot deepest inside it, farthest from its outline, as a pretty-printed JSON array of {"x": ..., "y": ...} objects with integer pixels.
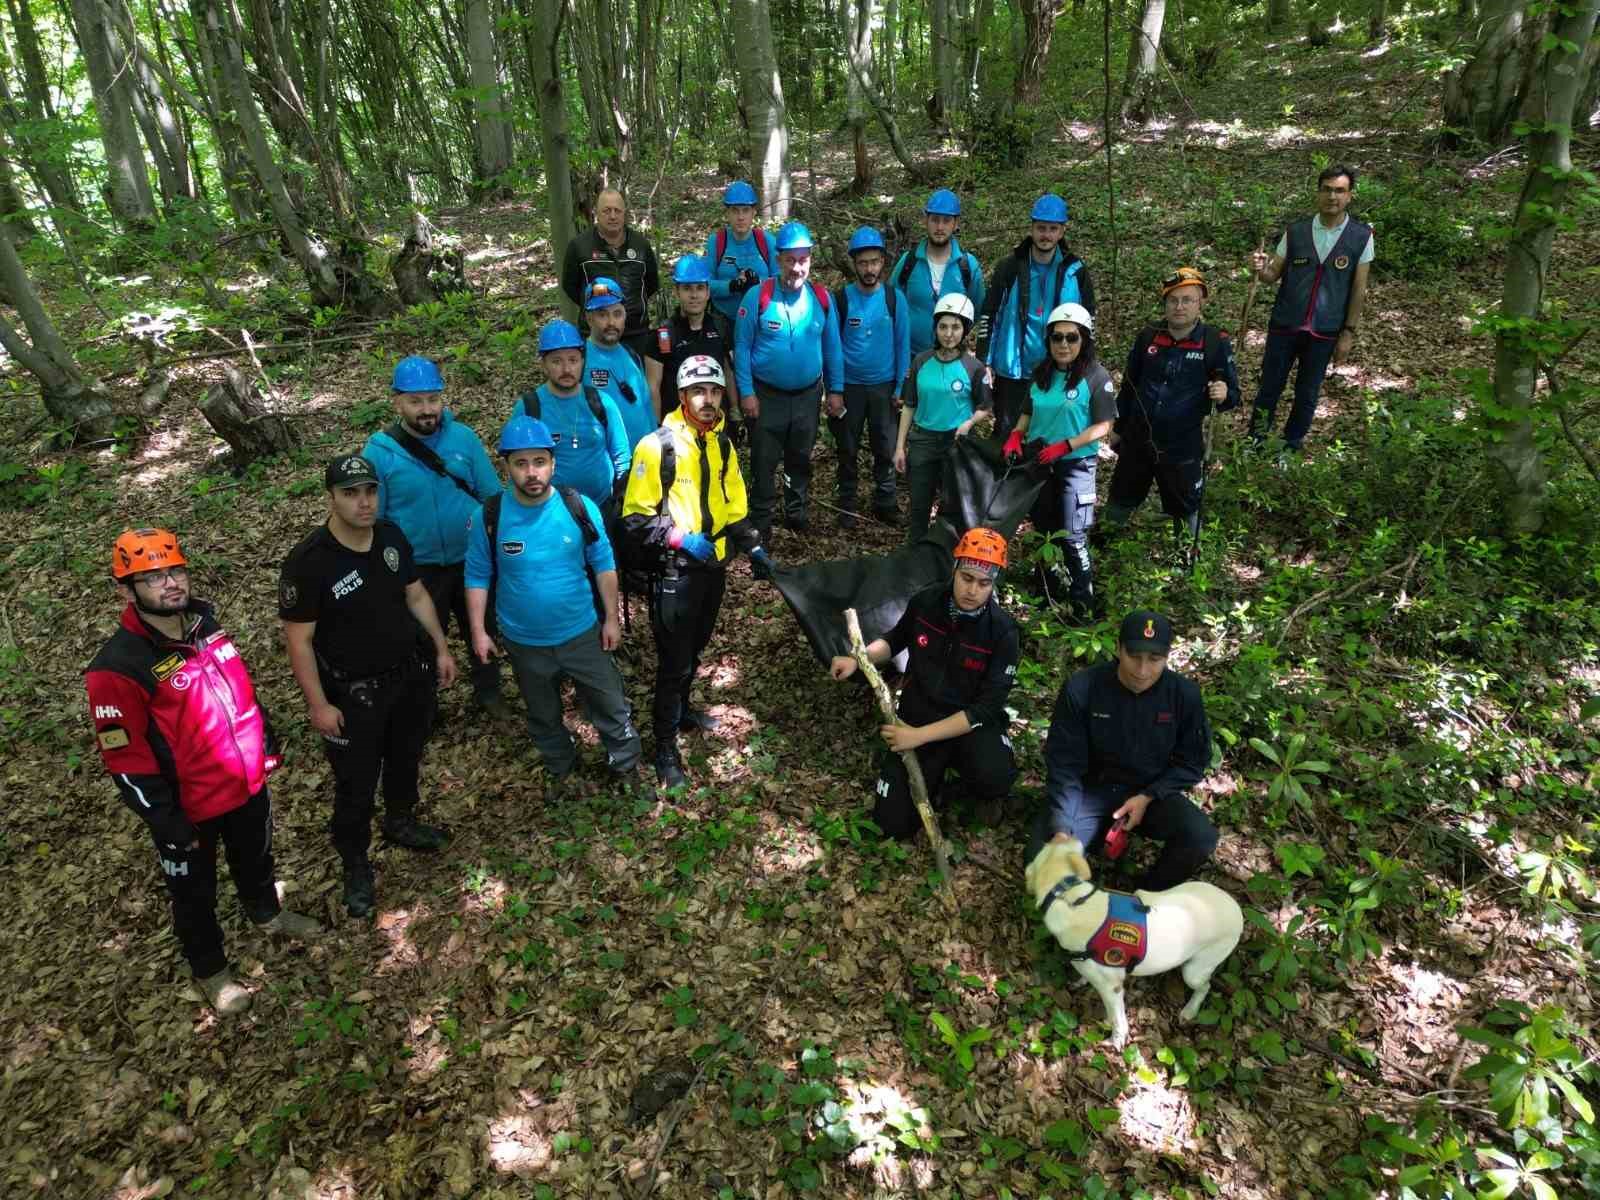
[
  {"x": 740, "y": 253},
  {"x": 1176, "y": 373},
  {"x": 936, "y": 267},
  {"x": 1322, "y": 263},
  {"x": 583, "y": 421},
  {"x": 613, "y": 366},
  {"x": 433, "y": 472},
  {"x": 542, "y": 552},
  {"x": 1028, "y": 284},
  {"x": 786, "y": 349},
  {"x": 1127, "y": 741},
  {"x": 874, "y": 331}
]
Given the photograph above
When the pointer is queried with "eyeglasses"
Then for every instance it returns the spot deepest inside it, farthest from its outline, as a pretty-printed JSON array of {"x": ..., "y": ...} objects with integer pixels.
[
  {"x": 1183, "y": 301},
  {"x": 159, "y": 578},
  {"x": 1065, "y": 339}
]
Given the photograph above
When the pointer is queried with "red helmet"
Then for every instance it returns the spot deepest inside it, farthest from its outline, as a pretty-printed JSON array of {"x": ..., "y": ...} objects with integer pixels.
[{"x": 139, "y": 550}]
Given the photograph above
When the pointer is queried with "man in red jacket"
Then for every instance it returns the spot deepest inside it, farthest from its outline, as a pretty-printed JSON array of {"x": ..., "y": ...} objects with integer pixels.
[{"x": 190, "y": 749}]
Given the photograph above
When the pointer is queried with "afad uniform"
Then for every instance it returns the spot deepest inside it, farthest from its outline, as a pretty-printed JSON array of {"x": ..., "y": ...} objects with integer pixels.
[
  {"x": 189, "y": 747},
  {"x": 368, "y": 650}
]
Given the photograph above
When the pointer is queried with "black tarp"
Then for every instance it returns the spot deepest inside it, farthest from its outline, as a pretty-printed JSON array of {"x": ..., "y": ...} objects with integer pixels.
[{"x": 978, "y": 490}]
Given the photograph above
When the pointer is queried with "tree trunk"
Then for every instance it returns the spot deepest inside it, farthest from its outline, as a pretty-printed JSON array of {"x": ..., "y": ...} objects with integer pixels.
[
  {"x": 943, "y": 24},
  {"x": 1038, "y": 24},
  {"x": 169, "y": 148},
  {"x": 492, "y": 159},
  {"x": 32, "y": 114},
  {"x": 231, "y": 162},
  {"x": 13, "y": 211},
  {"x": 1483, "y": 98},
  {"x": 235, "y": 410},
  {"x": 1144, "y": 46},
  {"x": 1557, "y": 83},
  {"x": 981, "y": 17},
  {"x": 541, "y": 31},
  {"x": 858, "y": 20},
  {"x": 762, "y": 91},
  {"x": 1277, "y": 15},
  {"x": 127, "y": 189},
  {"x": 336, "y": 281},
  {"x": 424, "y": 270},
  {"x": 81, "y": 405},
  {"x": 1378, "y": 20}
]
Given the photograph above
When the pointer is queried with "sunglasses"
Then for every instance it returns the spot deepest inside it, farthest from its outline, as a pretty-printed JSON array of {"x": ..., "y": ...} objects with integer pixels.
[{"x": 1065, "y": 339}]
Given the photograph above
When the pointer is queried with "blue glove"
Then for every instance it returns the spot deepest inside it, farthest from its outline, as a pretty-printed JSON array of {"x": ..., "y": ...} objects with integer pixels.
[
  {"x": 697, "y": 546},
  {"x": 761, "y": 563}
]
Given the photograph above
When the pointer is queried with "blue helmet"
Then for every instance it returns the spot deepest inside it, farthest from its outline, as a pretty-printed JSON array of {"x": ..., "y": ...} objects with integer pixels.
[
  {"x": 559, "y": 335},
  {"x": 739, "y": 192},
  {"x": 794, "y": 236},
  {"x": 943, "y": 203},
  {"x": 866, "y": 238},
  {"x": 525, "y": 433},
  {"x": 1049, "y": 207},
  {"x": 417, "y": 374},
  {"x": 691, "y": 268},
  {"x": 601, "y": 293}
]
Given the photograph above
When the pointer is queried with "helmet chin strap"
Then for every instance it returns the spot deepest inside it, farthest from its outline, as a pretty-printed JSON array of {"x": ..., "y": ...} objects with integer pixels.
[{"x": 688, "y": 415}]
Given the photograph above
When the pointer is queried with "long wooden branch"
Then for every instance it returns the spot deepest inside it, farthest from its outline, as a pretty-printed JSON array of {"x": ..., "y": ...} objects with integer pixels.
[{"x": 919, "y": 785}]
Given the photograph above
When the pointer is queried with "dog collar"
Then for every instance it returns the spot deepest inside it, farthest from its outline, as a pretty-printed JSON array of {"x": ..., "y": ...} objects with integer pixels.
[{"x": 1063, "y": 884}]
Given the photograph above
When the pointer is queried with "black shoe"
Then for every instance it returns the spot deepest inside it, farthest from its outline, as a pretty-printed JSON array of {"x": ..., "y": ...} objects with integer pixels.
[
  {"x": 359, "y": 890},
  {"x": 848, "y": 520},
  {"x": 669, "y": 768},
  {"x": 694, "y": 720},
  {"x": 798, "y": 524},
  {"x": 888, "y": 516},
  {"x": 492, "y": 706},
  {"x": 413, "y": 835}
]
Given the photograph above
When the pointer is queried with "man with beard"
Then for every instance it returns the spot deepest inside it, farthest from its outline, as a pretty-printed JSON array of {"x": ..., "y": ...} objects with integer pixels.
[
  {"x": 583, "y": 421},
  {"x": 684, "y": 512},
  {"x": 540, "y": 554},
  {"x": 876, "y": 342},
  {"x": 433, "y": 472},
  {"x": 611, "y": 250},
  {"x": 923, "y": 273},
  {"x": 181, "y": 733},
  {"x": 350, "y": 601},
  {"x": 1033, "y": 280},
  {"x": 616, "y": 368}
]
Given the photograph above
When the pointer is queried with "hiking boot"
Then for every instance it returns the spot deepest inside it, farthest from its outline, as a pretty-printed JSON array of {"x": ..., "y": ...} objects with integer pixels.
[
  {"x": 694, "y": 720},
  {"x": 491, "y": 705},
  {"x": 848, "y": 520},
  {"x": 888, "y": 516},
  {"x": 413, "y": 835},
  {"x": 669, "y": 768},
  {"x": 986, "y": 814},
  {"x": 292, "y": 924},
  {"x": 223, "y": 994},
  {"x": 558, "y": 787},
  {"x": 359, "y": 890},
  {"x": 800, "y": 524}
]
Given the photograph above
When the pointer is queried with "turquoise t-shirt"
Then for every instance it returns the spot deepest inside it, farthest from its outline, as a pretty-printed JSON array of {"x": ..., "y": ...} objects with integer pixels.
[
  {"x": 1057, "y": 414},
  {"x": 944, "y": 393},
  {"x": 543, "y": 596},
  {"x": 616, "y": 372}
]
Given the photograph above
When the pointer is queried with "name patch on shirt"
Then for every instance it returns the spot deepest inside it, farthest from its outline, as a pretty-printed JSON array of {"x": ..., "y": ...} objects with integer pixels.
[
  {"x": 599, "y": 376},
  {"x": 512, "y": 548},
  {"x": 774, "y": 325},
  {"x": 1163, "y": 718}
]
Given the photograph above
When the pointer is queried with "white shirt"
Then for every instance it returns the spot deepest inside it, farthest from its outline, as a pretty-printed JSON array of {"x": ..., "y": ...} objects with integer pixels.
[{"x": 1324, "y": 239}]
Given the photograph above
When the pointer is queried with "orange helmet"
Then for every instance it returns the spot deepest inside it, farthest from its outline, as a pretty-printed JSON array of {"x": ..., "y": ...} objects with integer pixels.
[
  {"x": 1184, "y": 277},
  {"x": 982, "y": 545},
  {"x": 145, "y": 550}
]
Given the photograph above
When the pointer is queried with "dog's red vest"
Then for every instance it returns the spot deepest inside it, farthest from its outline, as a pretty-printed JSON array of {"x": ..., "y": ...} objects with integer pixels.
[{"x": 1121, "y": 940}]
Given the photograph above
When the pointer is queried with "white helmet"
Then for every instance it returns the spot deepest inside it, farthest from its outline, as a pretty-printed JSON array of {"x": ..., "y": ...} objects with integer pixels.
[
  {"x": 700, "y": 368},
  {"x": 957, "y": 305},
  {"x": 1076, "y": 313}
]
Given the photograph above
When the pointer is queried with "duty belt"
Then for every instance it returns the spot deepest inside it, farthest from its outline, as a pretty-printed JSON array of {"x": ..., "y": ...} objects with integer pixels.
[{"x": 346, "y": 680}]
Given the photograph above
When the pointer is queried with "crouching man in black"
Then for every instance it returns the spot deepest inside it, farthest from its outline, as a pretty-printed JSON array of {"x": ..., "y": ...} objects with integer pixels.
[
  {"x": 1127, "y": 740},
  {"x": 963, "y": 661}
]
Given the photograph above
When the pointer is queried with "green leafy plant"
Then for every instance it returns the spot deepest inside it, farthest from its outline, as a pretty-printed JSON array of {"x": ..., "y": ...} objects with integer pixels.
[{"x": 1293, "y": 772}]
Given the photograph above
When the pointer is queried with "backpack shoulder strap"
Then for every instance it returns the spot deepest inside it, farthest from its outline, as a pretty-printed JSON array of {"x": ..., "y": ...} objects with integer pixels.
[
  {"x": 530, "y": 403},
  {"x": 1214, "y": 339},
  {"x": 908, "y": 264},
  {"x": 969, "y": 268},
  {"x": 764, "y": 296},
  {"x": 760, "y": 235},
  {"x": 821, "y": 293},
  {"x": 491, "y": 518},
  {"x": 719, "y": 247},
  {"x": 669, "y": 459},
  {"x": 580, "y": 514},
  {"x": 596, "y": 405},
  {"x": 843, "y": 301},
  {"x": 426, "y": 455},
  {"x": 890, "y": 302}
]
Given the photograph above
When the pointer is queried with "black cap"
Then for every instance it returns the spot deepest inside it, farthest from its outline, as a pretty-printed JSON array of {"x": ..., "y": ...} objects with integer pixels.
[
  {"x": 348, "y": 470},
  {"x": 1146, "y": 632}
]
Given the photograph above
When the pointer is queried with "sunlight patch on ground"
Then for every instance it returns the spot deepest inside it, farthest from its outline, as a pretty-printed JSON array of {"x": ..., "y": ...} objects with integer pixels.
[
  {"x": 337, "y": 1184},
  {"x": 157, "y": 461},
  {"x": 1158, "y": 1118},
  {"x": 394, "y": 925},
  {"x": 516, "y": 1146}
]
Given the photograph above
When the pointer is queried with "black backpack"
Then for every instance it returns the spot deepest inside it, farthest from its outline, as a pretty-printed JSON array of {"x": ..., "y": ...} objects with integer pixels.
[
  {"x": 964, "y": 262},
  {"x": 580, "y": 514},
  {"x": 531, "y": 404}
]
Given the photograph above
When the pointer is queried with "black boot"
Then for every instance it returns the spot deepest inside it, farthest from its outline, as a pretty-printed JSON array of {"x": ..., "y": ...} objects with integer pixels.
[
  {"x": 410, "y": 833},
  {"x": 359, "y": 889},
  {"x": 669, "y": 766},
  {"x": 695, "y": 721}
]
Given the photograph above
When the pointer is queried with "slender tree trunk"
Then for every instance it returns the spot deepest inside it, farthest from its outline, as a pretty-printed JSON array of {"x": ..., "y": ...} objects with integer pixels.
[
  {"x": 75, "y": 401},
  {"x": 492, "y": 159},
  {"x": 1278, "y": 15},
  {"x": 1558, "y": 81},
  {"x": 13, "y": 211},
  {"x": 169, "y": 148},
  {"x": 981, "y": 17},
  {"x": 762, "y": 92},
  {"x": 858, "y": 15},
  {"x": 1378, "y": 20},
  {"x": 542, "y": 31},
  {"x": 1483, "y": 98},
  {"x": 231, "y": 162},
  {"x": 127, "y": 188},
  {"x": 1038, "y": 24},
  {"x": 891, "y": 51},
  {"x": 31, "y": 113},
  {"x": 943, "y": 22},
  {"x": 1144, "y": 46}
]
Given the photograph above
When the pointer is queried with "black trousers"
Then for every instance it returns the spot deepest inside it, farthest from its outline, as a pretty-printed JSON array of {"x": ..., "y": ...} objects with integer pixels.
[
  {"x": 1179, "y": 475},
  {"x": 1008, "y": 395},
  {"x": 683, "y": 614},
  {"x": 191, "y": 875},
  {"x": 446, "y": 584},
  {"x": 385, "y": 728},
  {"x": 784, "y": 432},
  {"x": 868, "y": 407},
  {"x": 1186, "y": 834},
  {"x": 982, "y": 759}
]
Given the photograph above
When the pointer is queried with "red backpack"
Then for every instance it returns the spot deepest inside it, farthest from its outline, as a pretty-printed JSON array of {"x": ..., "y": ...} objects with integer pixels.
[
  {"x": 720, "y": 246},
  {"x": 768, "y": 286}
]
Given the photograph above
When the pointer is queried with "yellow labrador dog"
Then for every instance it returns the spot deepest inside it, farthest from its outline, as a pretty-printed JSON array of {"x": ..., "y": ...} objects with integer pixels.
[{"x": 1194, "y": 925}]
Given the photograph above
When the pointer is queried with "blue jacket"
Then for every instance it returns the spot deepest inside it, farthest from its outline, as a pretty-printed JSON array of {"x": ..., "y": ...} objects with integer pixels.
[
  {"x": 917, "y": 287},
  {"x": 789, "y": 344},
  {"x": 431, "y": 511},
  {"x": 736, "y": 256},
  {"x": 542, "y": 595},
  {"x": 589, "y": 459},
  {"x": 1020, "y": 297},
  {"x": 619, "y": 372},
  {"x": 876, "y": 349}
]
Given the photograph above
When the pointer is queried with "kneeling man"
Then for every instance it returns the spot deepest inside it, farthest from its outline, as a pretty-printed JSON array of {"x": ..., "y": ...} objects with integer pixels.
[
  {"x": 963, "y": 661},
  {"x": 1127, "y": 740}
]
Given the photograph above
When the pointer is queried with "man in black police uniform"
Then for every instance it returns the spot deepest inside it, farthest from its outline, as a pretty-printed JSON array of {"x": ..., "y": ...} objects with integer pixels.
[
  {"x": 350, "y": 600},
  {"x": 1127, "y": 740},
  {"x": 963, "y": 661},
  {"x": 695, "y": 328},
  {"x": 611, "y": 250}
]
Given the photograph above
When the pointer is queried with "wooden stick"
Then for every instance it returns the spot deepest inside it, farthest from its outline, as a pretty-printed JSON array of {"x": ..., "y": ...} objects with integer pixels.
[{"x": 919, "y": 785}]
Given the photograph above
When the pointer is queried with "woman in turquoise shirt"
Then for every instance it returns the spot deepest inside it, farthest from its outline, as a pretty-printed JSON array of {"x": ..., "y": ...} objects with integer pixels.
[{"x": 1070, "y": 406}]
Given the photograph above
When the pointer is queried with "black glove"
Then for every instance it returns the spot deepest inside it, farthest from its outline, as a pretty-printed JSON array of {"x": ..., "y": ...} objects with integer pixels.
[
  {"x": 761, "y": 564},
  {"x": 744, "y": 281}
]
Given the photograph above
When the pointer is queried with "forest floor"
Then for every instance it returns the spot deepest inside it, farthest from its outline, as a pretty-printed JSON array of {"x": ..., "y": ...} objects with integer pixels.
[{"x": 840, "y": 1033}]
